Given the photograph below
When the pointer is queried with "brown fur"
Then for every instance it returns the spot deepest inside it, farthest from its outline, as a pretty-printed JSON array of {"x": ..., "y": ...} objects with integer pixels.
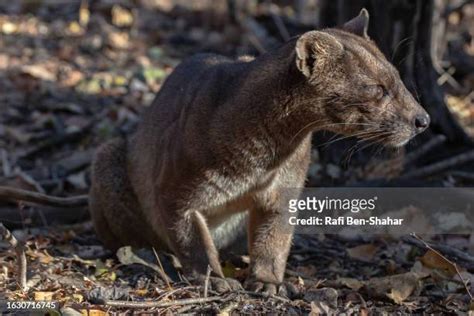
[{"x": 224, "y": 138}]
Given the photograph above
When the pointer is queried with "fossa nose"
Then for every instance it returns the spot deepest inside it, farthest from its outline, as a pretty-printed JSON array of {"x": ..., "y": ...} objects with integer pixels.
[{"x": 421, "y": 122}]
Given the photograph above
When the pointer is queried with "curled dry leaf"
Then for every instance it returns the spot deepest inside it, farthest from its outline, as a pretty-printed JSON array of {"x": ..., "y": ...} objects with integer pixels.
[
  {"x": 325, "y": 295},
  {"x": 44, "y": 296},
  {"x": 364, "y": 253},
  {"x": 121, "y": 17},
  {"x": 93, "y": 312},
  {"x": 433, "y": 260},
  {"x": 396, "y": 287},
  {"x": 320, "y": 308},
  {"x": 351, "y": 283}
]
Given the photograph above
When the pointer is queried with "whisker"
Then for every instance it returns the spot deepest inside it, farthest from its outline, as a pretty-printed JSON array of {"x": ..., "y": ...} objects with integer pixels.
[
  {"x": 374, "y": 140},
  {"x": 351, "y": 151},
  {"x": 399, "y": 45},
  {"x": 302, "y": 129},
  {"x": 327, "y": 125},
  {"x": 345, "y": 137}
]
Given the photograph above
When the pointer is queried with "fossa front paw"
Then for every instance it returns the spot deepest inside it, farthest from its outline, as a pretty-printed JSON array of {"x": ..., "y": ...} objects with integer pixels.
[
  {"x": 266, "y": 288},
  {"x": 220, "y": 285}
]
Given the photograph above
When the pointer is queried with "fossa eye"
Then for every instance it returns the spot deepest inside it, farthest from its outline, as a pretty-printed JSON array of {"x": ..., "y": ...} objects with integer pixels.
[
  {"x": 377, "y": 92},
  {"x": 381, "y": 92}
]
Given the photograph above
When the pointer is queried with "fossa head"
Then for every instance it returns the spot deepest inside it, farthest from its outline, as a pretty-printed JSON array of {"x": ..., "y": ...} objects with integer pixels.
[{"x": 360, "y": 92}]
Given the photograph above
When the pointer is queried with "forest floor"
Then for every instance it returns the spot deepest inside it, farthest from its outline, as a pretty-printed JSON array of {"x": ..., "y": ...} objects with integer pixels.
[{"x": 75, "y": 75}]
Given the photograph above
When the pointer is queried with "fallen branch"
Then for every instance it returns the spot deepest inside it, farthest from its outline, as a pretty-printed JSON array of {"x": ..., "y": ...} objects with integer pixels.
[
  {"x": 63, "y": 167},
  {"x": 163, "y": 273},
  {"x": 15, "y": 195},
  {"x": 206, "y": 281},
  {"x": 426, "y": 147},
  {"x": 188, "y": 301},
  {"x": 55, "y": 141},
  {"x": 440, "y": 166},
  {"x": 274, "y": 13},
  {"x": 448, "y": 250},
  {"x": 448, "y": 261},
  {"x": 11, "y": 216},
  {"x": 463, "y": 175},
  {"x": 263, "y": 295},
  {"x": 20, "y": 255}
]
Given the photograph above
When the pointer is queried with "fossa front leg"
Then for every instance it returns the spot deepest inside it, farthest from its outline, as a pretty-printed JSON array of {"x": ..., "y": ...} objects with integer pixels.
[{"x": 269, "y": 245}]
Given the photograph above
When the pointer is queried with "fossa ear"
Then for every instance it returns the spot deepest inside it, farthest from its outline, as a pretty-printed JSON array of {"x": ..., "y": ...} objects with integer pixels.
[
  {"x": 315, "y": 50},
  {"x": 358, "y": 25}
]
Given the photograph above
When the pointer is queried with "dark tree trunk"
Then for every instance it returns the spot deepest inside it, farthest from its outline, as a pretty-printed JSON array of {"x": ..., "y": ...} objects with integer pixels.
[{"x": 403, "y": 29}]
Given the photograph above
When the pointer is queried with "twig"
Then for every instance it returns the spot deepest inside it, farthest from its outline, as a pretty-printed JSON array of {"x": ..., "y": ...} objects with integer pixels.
[
  {"x": 446, "y": 76},
  {"x": 448, "y": 261},
  {"x": 463, "y": 175},
  {"x": 6, "y": 167},
  {"x": 174, "y": 291},
  {"x": 10, "y": 215},
  {"x": 206, "y": 281},
  {"x": 426, "y": 147},
  {"x": 278, "y": 22},
  {"x": 256, "y": 34},
  {"x": 188, "y": 301},
  {"x": 20, "y": 255},
  {"x": 56, "y": 141},
  {"x": 441, "y": 165},
  {"x": 262, "y": 295},
  {"x": 453, "y": 252},
  {"x": 256, "y": 43},
  {"x": 163, "y": 273},
  {"x": 15, "y": 195},
  {"x": 183, "y": 310}
]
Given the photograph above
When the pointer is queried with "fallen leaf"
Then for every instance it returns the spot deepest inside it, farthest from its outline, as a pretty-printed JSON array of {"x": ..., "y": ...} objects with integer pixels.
[
  {"x": 9, "y": 28},
  {"x": 118, "y": 40},
  {"x": 326, "y": 295},
  {"x": 78, "y": 298},
  {"x": 121, "y": 17},
  {"x": 320, "y": 308},
  {"x": 103, "y": 272},
  {"x": 227, "y": 310},
  {"x": 100, "y": 294},
  {"x": 307, "y": 270},
  {"x": 351, "y": 283},
  {"x": 364, "y": 253},
  {"x": 315, "y": 310},
  {"x": 127, "y": 256},
  {"x": 433, "y": 260},
  {"x": 43, "y": 296},
  {"x": 229, "y": 269},
  {"x": 141, "y": 292},
  {"x": 75, "y": 28},
  {"x": 68, "y": 311},
  {"x": 420, "y": 269},
  {"x": 153, "y": 74},
  {"x": 84, "y": 13},
  {"x": 93, "y": 312},
  {"x": 396, "y": 287},
  {"x": 39, "y": 71}
]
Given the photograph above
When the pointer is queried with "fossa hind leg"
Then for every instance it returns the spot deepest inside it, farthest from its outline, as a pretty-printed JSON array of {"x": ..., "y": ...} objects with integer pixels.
[{"x": 113, "y": 206}]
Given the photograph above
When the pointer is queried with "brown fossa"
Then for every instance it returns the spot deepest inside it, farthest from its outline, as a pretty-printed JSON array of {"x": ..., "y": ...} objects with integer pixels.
[{"x": 224, "y": 138}]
